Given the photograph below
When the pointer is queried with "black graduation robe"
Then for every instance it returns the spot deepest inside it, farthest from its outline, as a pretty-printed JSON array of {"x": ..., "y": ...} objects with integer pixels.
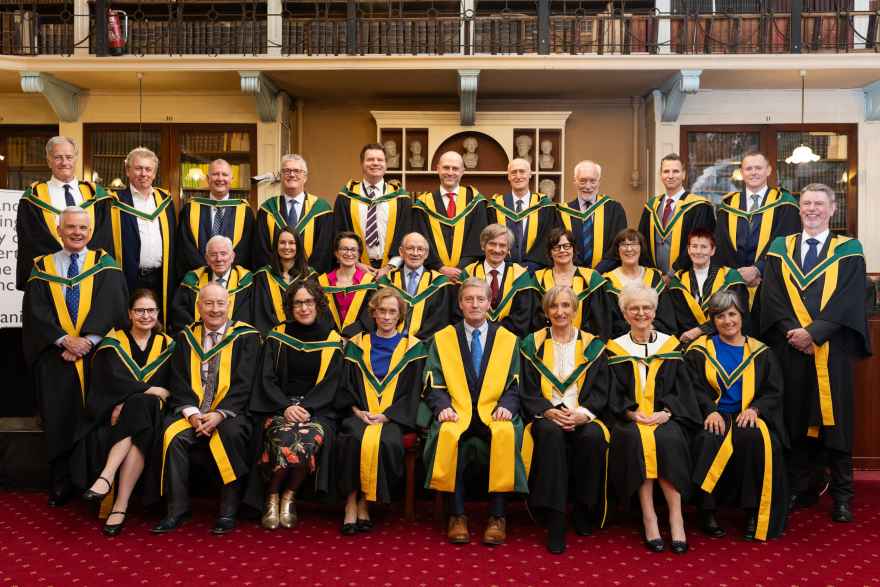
[
  {"x": 194, "y": 231},
  {"x": 127, "y": 240},
  {"x": 542, "y": 218},
  {"x": 347, "y": 216},
  {"x": 518, "y": 297},
  {"x": 453, "y": 242},
  {"x": 314, "y": 225},
  {"x": 759, "y": 481},
  {"x": 690, "y": 212},
  {"x": 184, "y": 310},
  {"x": 36, "y": 225},
  {"x": 690, "y": 313},
  {"x": 358, "y": 318},
  {"x": 267, "y": 296},
  {"x": 609, "y": 218},
  {"x": 559, "y": 455},
  {"x": 664, "y": 319},
  {"x": 594, "y": 313},
  {"x": 371, "y": 457},
  {"x": 430, "y": 309},
  {"x": 60, "y": 385},
  {"x": 829, "y": 302},
  {"x": 450, "y": 381},
  {"x": 640, "y": 452}
]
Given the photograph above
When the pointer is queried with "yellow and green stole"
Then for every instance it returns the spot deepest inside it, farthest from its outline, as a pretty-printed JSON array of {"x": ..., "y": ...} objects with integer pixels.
[
  {"x": 380, "y": 395},
  {"x": 597, "y": 211},
  {"x": 360, "y": 293},
  {"x": 194, "y": 336},
  {"x": 676, "y": 223},
  {"x": 724, "y": 279},
  {"x": 239, "y": 279},
  {"x": 796, "y": 283},
  {"x": 507, "y": 216},
  {"x": 644, "y": 393},
  {"x": 45, "y": 270},
  {"x": 277, "y": 286},
  {"x": 584, "y": 283},
  {"x": 313, "y": 207},
  {"x": 774, "y": 199},
  {"x": 393, "y": 191},
  {"x": 239, "y": 206},
  {"x": 516, "y": 279},
  {"x": 720, "y": 379},
  {"x": 430, "y": 283},
  {"x": 502, "y": 453},
  {"x": 436, "y": 221},
  {"x": 162, "y": 199},
  {"x": 652, "y": 278},
  {"x": 160, "y": 351},
  {"x": 37, "y": 194}
]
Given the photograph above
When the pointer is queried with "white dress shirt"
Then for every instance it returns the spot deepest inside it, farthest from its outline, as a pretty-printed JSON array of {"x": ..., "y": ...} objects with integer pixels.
[
  {"x": 62, "y": 264},
  {"x": 445, "y": 198},
  {"x": 749, "y": 193},
  {"x": 300, "y": 203},
  {"x": 821, "y": 237},
  {"x": 56, "y": 192},
  {"x": 150, "y": 232},
  {"x": 469, "y": 333},
  {"x": 500, "y": 269},
  {"x": 701, "y": 275}
]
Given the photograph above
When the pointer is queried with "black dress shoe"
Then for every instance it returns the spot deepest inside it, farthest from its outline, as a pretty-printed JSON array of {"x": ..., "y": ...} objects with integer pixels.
[
  {"x": 656, "y": 545},
  {"x": 556, "y": 532},
  {"x": 709, "y": 525},
  {"x": 170, "y": 523},
  {"x": 679, "y": 547},
  {"x": 114, "y": 529},
  {"x": 223, "y": 524},
  {"x": 799, "y": 501},
  {"x": 751, "y": 526},
  {"x": 90, "y": 495},
  {"x": 841, "y": 513},
  {"x": 59, "y": 497},
  {"x": 583, "y": 521},
  {"x": 364, "y": 524},
  {"x": 349, "y": 529}
]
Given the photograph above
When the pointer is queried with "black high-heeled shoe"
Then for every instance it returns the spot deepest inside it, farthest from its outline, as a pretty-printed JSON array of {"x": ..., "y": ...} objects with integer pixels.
[
  {"x": 656, "y": 545},
  {"x": 679, "y": 547},
  {"x": 90, "y": 495},
  {"x": 364, "y": 524},
  {"x": 114, "y": 529}
]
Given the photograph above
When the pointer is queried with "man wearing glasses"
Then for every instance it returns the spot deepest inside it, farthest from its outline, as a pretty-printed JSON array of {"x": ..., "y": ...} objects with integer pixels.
[{"x": 309, "y": 215}]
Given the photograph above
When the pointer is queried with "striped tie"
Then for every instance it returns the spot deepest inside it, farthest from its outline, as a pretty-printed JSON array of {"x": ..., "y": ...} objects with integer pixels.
[
  {"x": 372, "y": 224},
  {"x": 71, "y": 296},
  {"x": 217, "y": 227}
]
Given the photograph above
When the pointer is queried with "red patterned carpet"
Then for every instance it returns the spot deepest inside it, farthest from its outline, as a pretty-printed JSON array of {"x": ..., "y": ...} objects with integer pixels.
[{"x": 39, "y": 546}]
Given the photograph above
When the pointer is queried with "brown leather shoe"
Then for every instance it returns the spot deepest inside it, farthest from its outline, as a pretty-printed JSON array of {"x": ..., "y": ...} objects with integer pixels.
[
  {"x": 496, "y": 531},
  {"x": 458, "y": 530}
]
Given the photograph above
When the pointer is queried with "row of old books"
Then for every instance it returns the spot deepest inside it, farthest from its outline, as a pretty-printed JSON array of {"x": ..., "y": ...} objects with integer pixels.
[
  {"x": 215, "y": 142},
  {"x": 377, "y": 36},
  {"x": 194, "y": 176},
  {"x": 119, "y": 143},
  {"x": 22, "y": 151},
  {"x": 196, "y": 37},
  {"x": 23, "y": 33}
]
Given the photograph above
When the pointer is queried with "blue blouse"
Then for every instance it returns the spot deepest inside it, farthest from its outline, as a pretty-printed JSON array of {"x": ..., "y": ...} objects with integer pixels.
[
  {"x": 380, "y": 353},
  {"x": 730, "y": 358}
]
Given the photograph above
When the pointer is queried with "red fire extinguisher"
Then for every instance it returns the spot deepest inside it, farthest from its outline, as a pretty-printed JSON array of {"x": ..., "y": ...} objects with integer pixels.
[{"x": 117, "y": 31}]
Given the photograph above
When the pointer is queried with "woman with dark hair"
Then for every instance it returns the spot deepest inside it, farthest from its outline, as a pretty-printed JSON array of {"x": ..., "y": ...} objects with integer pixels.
[
  {"x": 630, "y": 250},
  {"x": 127, "y": 391},
  {"x": 288, "y": 264},
  {"x": 738, "y": 384},
  {"x": 348, "y": 287},
  {"x": 593, "y": 314},
  {"x": 292, "y": 403}
]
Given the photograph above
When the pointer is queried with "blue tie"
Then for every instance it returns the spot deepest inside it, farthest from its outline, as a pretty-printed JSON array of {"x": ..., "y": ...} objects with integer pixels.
[
  {"x": 292, "y": 217},
  {"x": 811, "y": 259},
  {"x": 476, "y": 351},
  {"x": 71, "y": 296},
  {"x": 587, "y": 239},
  {"x": 68, "y": 196},
  {"x": 412, "y": 283}
]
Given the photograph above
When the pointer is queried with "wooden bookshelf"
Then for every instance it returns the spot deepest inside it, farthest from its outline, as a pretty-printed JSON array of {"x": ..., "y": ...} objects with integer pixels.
[{"x": 24, "y": 154}]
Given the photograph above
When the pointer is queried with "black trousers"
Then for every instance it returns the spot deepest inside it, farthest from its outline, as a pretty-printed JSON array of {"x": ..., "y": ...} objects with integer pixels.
[{"x": 805, "y": 458}]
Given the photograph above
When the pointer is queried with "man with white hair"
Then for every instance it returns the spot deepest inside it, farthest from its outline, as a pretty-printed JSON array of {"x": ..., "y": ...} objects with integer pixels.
[
  {"x": 41, "y": 205},
  {"x": 73, "y": 298},
  {"x": 219, "y": 267},
  {"x": 593, "y": 218}
]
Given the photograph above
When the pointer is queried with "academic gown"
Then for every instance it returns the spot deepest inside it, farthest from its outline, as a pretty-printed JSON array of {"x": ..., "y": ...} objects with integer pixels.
[
  {"x": 347, "y": 216},
  {"x": 830, "y": 303},
  {"x": 640, "y": 452},
  {"x": 194, "y": 231},
  {"x": 268, "y": 298},
  {"x": 357, "y": 319},
  {"x": 371, "y": 457},
  {"x": 184, "y": 310},
  {"x": 61, "y": 385},
  {"x": 690, "y": 212},
  {"x": 36, "y": 225},
  {"x": 127, "y": 240},
  {"x": 594, "y": 313},
  {"x": 450, "y": 381},
  {"x": 609, "y": 218},
  {"x": 518, "y": 297},
  {"x": 691, "y": 313},
  {"x": 542, "y": 218},
  {"x": 453, "y": 242},
  {"x": 118, "y": 377},
  {"x": 759, "y": 483},
  {"x": 664, "y": 319},
  {"x": 272, "y": 394},
  {"x": 314, "y": 225},
  {"x": 559, "y": 456},
  {"x": 429, "y": 310}
]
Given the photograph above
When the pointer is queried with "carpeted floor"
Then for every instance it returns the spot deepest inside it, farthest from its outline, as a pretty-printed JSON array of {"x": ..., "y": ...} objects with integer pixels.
[{"x": 39, "y": 546}]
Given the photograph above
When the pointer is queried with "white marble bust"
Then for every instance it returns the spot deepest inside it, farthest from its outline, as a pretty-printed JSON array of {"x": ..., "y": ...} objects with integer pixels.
[
  {"x": 523, "y": 147},
  {"x": 416, "y": 160},
  {"x": 470, "y": 156},
  {"x": 547, "y": 187},
  {"x": 546, "y": 160},
  {"x": 392, "y": 157}
]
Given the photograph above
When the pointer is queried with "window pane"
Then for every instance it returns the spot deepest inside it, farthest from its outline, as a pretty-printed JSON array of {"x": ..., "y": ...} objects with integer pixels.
[{"x": 713, "y": 161}]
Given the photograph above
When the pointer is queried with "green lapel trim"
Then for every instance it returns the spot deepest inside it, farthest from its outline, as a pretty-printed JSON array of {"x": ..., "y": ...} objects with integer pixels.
[
  {"x": 785, "y": 199},
  {"x": 681, "y": 208},
  {"x": 318, "y": 207},
  {"x": 594, "y": 282},
  {"x": 543, "y": 202},
  {"x": 728, "y": 379},
  {"x": 437, "y": 282},
  {"x": 227, "y": 203},
  {"x": 731, "y": 278},
  {"x": 333, "y": 289},
  {"x": 98, "y": 195},
  {"x": 143, "y": 215},
  {"x": 236, "y": 330},
  {"x": 348, "y": 192},
  {"x": 582, "y": 215},
  {"x": 422, "y": 205},
  {"x": 270, "y": 274},
  {"x": 522, "y": 282},
  {"x": 104, "y": 262},
  {"x": 531, "y": 348},
  {"x": 191, "y": 279},
  {"x": 850, "y": 247},
  {"x": 659, "y": 286},
  {"x": 355, "y": 354},
  {"x": 334, "y": 342},
  {"x": 617, "y": 359},
  {"x": 144, "y": 373}
]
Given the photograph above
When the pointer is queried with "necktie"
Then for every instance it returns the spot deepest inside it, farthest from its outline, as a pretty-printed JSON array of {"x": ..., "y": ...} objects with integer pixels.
[
  {"x": 496, "y": 290},
  {"x": 517, "y": 228},
  {"x": 372, "y": 233},
  {"x": 756, "y": 203},
  {"x": 667, "y": 211},
  {"x": 71, "y": 296},
  {"x": 587, "y": 238},
  {"x": 292, "y": 218},
  {"x": 450, "y": 208},
  {"x": 412, "y": 283},
  {"x": 476, "y": 351},
  {"x": 68, "y": 196},
  {"x": 811, "y": 259},
  {"x": 209, "y": 373},
  {"x": 217, "y": 227},
  {"x": 221, "y": 281}
]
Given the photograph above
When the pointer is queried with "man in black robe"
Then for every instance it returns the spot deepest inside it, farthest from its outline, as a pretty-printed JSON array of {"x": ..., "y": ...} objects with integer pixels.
[
  {"x": 208, "y": 412},
  {"x": 41, "y": 205},
  {"x": 593, "y": 218},
  {"x": 73, "y": 298},
  {"x": 451, "y": 218},
  {"x": 202, "y": 218},
  {"x": 813, "y": 316}
]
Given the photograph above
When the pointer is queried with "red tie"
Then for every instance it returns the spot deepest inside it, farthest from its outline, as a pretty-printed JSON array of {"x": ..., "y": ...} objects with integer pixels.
[
  {"x": 494, "y": 286},
  {"x": 450, "y": 209},
  {"x": 667, "y": 211}
]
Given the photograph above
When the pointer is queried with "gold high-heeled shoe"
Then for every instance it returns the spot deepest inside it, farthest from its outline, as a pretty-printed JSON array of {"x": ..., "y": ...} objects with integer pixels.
[
  {"x": 287, "y": 512},
  {"x": 270, "y": 518}
]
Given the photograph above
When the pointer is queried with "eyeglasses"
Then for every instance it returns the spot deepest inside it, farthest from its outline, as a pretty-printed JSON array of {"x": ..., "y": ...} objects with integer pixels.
[
  {"x": 293, "y": 172},
  {"x": 586, "y": 181},
  {"x": 60, "y": 158},
  {"x": 142, "y": 312},
  {"x": 561, "y": 247},
  {"x": 301, "y": 304},
  {"x": 415, "y": 249},
  {"x": 353, "y": 250},
  {"x": 630, "y": 246}
]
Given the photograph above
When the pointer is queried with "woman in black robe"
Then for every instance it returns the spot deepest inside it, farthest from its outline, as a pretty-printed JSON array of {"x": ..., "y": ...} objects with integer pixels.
[
  {"x": 653, "y": 401},
  {"x": 288, "y": 263},
  {"x": 565, "y": 394},
  {"x": 738, "y": 385},
  {"x": 292, "y": 404},
  {"x": 127, "y": 392}
]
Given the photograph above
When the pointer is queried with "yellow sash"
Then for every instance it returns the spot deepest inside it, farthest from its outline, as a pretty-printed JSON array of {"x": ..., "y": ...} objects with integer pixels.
[
  {"x": 41, "y": 191},
  {"x": 533, "y": 216},
  {"x": 598, "y": 228},
  {"x": 235, "y": 276},
  {"x": 694, "y": 306},
  {"x": 360, "y": 226},
  {"x": 353, "y": 310},
  {"x": 195, "y": 213},
  {"x": 447, "y": 258}
]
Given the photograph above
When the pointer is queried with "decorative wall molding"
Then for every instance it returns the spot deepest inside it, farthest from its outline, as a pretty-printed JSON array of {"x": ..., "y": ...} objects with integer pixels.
[
  {"x": 687, "y": 81},
  {"x": 468, "y": 80},
  {"x": 64, "y": 97},
  {"x": 264, "y": 91}
]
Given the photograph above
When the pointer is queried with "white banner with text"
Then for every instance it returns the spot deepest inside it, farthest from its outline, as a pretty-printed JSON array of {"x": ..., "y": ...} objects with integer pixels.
[{"x": 10, "y": 298}]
